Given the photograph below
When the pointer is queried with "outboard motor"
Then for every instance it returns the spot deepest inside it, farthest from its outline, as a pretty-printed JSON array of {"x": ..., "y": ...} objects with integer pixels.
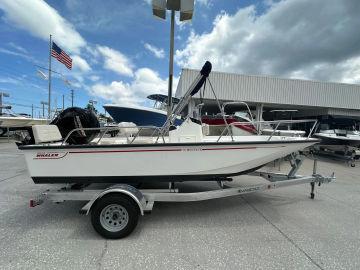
[{"x": 73, "y": 118}]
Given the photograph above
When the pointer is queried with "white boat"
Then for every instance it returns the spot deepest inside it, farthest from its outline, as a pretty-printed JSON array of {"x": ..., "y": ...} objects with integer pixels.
[
  {"x": 283, "y": 132},
  {"x": 20, "y": 121},
  {"x": 267, "y": 129},
  {"x": 11, "y": 121},
  {"x": 339, "y": 137},
  {"x": 185, "y": 154},
  {"x": 240, "y": 124}
]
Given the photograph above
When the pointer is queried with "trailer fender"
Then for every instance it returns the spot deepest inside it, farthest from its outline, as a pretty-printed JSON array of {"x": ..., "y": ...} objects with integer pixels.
[{"x": 124, "y": 189}]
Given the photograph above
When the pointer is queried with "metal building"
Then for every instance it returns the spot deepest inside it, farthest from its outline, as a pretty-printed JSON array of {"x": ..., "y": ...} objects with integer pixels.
[{"x": 309, "y": 98}]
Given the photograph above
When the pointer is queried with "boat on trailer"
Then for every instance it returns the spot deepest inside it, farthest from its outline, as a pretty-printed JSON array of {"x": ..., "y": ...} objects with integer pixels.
[
  {"x": 173, "y": 154},
  {"x": 180, "y": 157},
  {"x": 339, "y": 137},
  {"x": 339, "y": 143}
]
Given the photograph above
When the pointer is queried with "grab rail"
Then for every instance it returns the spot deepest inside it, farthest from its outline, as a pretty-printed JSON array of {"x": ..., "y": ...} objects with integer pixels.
[
  {"x": 158, "y": 133},
  {"x": 104, "y": 130},
  {"x": 277, "y": 122},
  {"x": 224, "y": 118}
]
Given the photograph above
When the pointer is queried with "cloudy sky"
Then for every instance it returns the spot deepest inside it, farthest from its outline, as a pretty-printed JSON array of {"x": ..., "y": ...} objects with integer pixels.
[{"x": 120, "y": 51}]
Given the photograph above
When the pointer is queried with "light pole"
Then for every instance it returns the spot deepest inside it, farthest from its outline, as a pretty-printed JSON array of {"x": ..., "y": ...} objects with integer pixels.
[{"x": 186, "y": 8}]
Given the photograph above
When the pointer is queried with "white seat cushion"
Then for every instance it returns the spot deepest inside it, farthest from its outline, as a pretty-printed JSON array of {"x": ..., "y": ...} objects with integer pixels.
[{"x": 46, "y": 133}]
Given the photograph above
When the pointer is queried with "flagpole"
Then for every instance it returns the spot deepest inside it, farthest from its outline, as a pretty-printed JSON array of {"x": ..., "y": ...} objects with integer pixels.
[{"x": 49, "y": 97}]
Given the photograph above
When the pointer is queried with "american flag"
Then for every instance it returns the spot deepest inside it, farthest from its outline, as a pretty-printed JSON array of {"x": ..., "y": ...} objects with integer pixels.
[{"x": 61, "y": 56}]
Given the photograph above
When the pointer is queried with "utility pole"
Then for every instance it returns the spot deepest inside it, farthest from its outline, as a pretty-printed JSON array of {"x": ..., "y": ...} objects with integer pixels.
[
  {"x": 2, "y": 95},
  {"x": 43, "y": 103},
  {"x": 63, "y": 105},
  {"x": 72, "y": 97},
  {"x": 32, "y": 110}
]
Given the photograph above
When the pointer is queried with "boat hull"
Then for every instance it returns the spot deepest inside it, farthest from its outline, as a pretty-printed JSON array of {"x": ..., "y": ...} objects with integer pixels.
[
  {"x": 338, "y": 140},
  {"x": 141, "y": 116},
  {"x": 152, "y": 163},
  {"x": 14, "y": 122}
]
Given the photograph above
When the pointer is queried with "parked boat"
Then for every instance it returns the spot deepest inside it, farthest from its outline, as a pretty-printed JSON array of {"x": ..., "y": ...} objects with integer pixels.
[
  {"x": 174, "y": 154},
  {"x": 11, "y": 121},
  {"x": 283, "y": 132},
  {"x": 14, "y": 120},
  {"x": 339, "y": 137},
  {"x": 141, "y": 115},
  {"x": 240, "y": 125}
]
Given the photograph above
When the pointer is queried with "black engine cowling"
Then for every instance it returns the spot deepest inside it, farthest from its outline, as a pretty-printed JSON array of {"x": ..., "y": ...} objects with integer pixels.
[{"x": 73, "y": 118}]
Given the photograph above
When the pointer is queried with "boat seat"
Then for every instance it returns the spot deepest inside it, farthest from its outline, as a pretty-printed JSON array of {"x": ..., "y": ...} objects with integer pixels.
[
  {"x": 46, "y": 133},
  {"x": 188, "y": 131},
  {"x": 127, "y": 128},
  {"x": 140, "y": 140},
  {"x": 109, "y": 141}
]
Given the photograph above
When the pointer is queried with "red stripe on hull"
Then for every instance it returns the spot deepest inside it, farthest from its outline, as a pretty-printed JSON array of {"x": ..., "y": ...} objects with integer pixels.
[{"x": 167, "y": 150}]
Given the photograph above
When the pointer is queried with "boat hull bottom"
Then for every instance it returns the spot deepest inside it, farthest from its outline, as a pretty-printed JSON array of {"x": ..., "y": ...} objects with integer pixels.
[{"x": 137, "y": 179}]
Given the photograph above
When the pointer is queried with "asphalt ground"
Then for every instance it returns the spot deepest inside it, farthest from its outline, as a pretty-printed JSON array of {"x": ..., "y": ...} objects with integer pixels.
[{"x": 278, "y": 229}]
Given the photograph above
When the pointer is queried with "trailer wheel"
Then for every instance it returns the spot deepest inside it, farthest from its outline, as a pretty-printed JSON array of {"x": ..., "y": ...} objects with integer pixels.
[{"x": 115, "y": 216}]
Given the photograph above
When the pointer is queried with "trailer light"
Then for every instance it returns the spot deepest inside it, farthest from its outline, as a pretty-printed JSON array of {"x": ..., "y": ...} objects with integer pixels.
[{"x": 32, "y": 203}]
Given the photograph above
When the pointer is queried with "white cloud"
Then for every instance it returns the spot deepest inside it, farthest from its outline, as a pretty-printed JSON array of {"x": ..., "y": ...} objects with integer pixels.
[
  {"x": 204, "y": 2},
  {"x": 9, "y": 80},
  {"x": 145, "y": 82},
  {"x": 18, "y": 48},
  {"x": 116, "y": 91},
  {"x": 19, "y": 54},
  {"x": 80, "y": 63},
  {"x": 116, "y": 61},
  {"x": 290, "y": 38},
  {"x": 94, "y": 78},
  {"x": 41, "y": 20},
  {"x": 158, "y": 52}
]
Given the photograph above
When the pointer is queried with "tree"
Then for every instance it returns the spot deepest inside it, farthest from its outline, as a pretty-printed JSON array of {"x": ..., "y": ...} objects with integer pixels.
[{"x": 90, "y": 106}]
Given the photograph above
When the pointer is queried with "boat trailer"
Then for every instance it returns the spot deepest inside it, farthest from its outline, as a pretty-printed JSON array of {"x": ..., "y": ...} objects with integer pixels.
[{"x": 115, "y": 210}]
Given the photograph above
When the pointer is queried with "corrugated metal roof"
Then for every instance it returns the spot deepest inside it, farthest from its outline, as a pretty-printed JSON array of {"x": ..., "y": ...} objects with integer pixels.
[{"x": 272, "y": 90}]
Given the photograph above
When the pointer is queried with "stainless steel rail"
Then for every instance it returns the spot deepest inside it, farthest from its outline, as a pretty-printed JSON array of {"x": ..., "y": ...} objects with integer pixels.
[
  {"x": 104, "y": 130},
  {"x": 277, "y": 122}
]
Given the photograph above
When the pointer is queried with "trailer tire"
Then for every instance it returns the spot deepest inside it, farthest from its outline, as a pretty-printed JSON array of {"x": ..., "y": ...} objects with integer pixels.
[{"x": 114, "y": 216}]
